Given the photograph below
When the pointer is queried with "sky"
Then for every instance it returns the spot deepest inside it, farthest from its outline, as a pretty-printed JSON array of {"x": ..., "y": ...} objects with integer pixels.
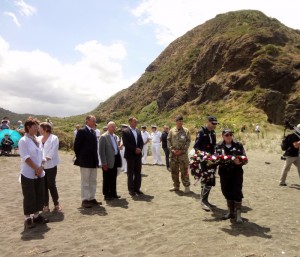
[{"x": 63, "y": 57}]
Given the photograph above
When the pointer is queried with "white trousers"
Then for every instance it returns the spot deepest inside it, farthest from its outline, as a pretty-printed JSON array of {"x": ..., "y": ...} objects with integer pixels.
[
  {"x": 145, "y": 153},
  {"x": 124, "y": 162},
  {"x": 88, "y": 183},
  {"x": 156, "y": 153},
  {"x": 287, "y": 166}
]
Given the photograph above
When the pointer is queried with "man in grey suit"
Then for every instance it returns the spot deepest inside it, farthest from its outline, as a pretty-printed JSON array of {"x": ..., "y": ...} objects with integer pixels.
[{"x": 111, "y": 160}]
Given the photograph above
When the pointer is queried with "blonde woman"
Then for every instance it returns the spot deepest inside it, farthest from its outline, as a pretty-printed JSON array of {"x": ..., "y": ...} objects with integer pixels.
[{"x": 50, "y": 144}]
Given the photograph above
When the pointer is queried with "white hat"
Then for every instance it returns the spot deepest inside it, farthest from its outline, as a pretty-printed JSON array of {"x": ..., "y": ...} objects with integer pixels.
[{"x": 298, "y": 126}]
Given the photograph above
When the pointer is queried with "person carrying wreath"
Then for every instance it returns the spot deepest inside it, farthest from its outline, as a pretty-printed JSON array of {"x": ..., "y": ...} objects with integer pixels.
[{"x": 231, "y": 174}]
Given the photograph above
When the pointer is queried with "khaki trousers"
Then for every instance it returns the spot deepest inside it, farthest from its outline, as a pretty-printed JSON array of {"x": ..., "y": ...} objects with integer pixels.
[
  {"x": 88, "y": 183},
  {"x": 287, "y": 166}
]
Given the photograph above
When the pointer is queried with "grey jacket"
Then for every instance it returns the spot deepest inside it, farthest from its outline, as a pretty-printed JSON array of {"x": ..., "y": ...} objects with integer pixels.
[{"x": 106, "y": 151}]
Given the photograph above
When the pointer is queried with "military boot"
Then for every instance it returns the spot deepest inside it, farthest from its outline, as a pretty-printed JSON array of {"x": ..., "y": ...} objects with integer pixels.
[
  {"x": 230, "y": 214},
  {"x": 205, "y": 190},
  {"x": 238, "y": 207}
]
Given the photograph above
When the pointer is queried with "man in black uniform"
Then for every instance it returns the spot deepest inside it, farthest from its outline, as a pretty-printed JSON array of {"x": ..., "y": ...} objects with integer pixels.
[
  {"x": 164, "y": 144},
  {"x": 206, "y": 141}
]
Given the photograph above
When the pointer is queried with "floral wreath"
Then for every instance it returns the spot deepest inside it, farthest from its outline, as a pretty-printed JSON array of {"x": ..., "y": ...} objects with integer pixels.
[{"x": 212, "y": 161}]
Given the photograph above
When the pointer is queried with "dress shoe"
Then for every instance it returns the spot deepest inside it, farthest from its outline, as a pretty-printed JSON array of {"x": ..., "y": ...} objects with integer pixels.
[
  {"x": 139, "y": 192},
  {"x": 95, "y": 202},
  {"x": 40, "y": 220},
  {"x": 132, "y": 193},
  {"x": 174, "y": 189},
  {"x": 108, "y": 198},
  {"x": 86, "y": 204},
  {"x": 116, "y": 196},
  {"x": 28, "y": 224},
  {"x": 283, "y": 184}
]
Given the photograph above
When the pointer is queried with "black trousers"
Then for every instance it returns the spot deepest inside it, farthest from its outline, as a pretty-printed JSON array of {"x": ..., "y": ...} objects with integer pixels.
[
  {"x": 33, "y": 194},
  {"x": 109, "y": 187},
  {"x": 134, "y": 177},
  {"x": 232, "y": 183},
  {"x": 167, "y": 154},
  {"x": 50, "y": 185}
]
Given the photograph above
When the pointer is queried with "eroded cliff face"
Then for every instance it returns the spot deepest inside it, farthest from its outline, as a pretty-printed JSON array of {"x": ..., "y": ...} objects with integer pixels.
[{"x": 237, "y": 52}]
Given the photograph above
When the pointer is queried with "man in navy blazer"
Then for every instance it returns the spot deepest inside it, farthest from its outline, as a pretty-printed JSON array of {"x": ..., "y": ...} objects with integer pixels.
[
  {"x": 133, "y": 142},
  {"x": 110, "y": 160},
  {"x": 85, "y": 148}
]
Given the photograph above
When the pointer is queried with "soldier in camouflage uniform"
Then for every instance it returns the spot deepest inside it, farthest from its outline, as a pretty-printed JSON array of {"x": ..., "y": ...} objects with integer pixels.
[{"x": 179, "y": 140}]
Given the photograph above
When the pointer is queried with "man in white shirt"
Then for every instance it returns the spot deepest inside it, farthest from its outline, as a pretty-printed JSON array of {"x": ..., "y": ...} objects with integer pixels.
[
  {"x": 98, "y": 134},
  {"x": 156, "y": 139},
  {"x": 146, "y": 139}
]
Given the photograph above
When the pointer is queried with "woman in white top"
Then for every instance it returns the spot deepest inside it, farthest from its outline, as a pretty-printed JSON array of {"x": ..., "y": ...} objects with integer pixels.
[
  {"x": 32, "y": 175},
  {"x": 50, "y": 144}
]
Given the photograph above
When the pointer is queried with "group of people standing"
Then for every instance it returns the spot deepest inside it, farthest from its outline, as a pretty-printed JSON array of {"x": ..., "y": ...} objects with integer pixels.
[{"x": 39, "y": 160}]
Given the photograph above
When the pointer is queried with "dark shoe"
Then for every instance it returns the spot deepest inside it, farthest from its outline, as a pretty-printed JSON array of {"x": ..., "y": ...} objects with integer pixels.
[
  {"x": 107, "y": 198},
  {"x": 116, "y": 197},
  {"x": 86, "y": 204},
  {"x": 95, "y": 202},
  {"x": 132, "y": 193},
  {"x": 205, "y": 206},
  {"x": 139, "y": 192},
  {"x": 40, "y": 220},
  {"x": 283, "y": 184},
  {"x": 28, "y": 224}
]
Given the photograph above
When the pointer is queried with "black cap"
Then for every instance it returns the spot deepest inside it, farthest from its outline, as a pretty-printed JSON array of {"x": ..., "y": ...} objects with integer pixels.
[
  {"x": 143, "y": 127},
  {"x": 212, "y": 119},
  {"x": 178, "y": 118},
  {"x": 226, "y": 131}
]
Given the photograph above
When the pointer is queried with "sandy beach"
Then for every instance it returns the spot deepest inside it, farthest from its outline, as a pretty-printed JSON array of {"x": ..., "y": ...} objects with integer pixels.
[{"x": 160, "y": 223}]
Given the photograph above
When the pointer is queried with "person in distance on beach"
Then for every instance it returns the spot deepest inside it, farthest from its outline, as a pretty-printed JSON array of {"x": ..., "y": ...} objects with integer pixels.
[{"x": 146, "y": 140}]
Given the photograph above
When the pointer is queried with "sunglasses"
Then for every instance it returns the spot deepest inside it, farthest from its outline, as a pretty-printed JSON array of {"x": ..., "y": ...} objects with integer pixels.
[{"x": 228, "y": 135}]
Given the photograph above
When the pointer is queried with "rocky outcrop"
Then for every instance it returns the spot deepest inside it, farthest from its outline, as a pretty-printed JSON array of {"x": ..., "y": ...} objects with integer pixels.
[{"x": 234, "y": 53}]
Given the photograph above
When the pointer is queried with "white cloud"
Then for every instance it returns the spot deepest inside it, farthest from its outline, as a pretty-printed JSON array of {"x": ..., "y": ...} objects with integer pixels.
[
  {"x": 14, "y": 18},
  {"x": 173, "y": 18},
  {"x": 37, "y": 83},
  {"x": 24, "y": 8}
]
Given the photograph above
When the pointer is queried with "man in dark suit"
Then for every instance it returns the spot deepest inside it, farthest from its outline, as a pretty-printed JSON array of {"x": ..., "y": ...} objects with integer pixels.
[
  {"x": 133, "y": 142},
  {"x": 110, "y": 160},
  {"x": 85, "y": 148}
]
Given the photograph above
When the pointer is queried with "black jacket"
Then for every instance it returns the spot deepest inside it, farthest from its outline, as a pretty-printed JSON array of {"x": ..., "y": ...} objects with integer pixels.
[
  {"x": 85, "y": 148},
  {"x": 292, "y": 151},
  {"x": 205, "y": 140},
  {"x": 131, "y": 145}
]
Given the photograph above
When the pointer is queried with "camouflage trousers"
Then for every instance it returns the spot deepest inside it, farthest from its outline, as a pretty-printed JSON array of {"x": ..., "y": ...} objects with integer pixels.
[{"x": 180, "y": 164}]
